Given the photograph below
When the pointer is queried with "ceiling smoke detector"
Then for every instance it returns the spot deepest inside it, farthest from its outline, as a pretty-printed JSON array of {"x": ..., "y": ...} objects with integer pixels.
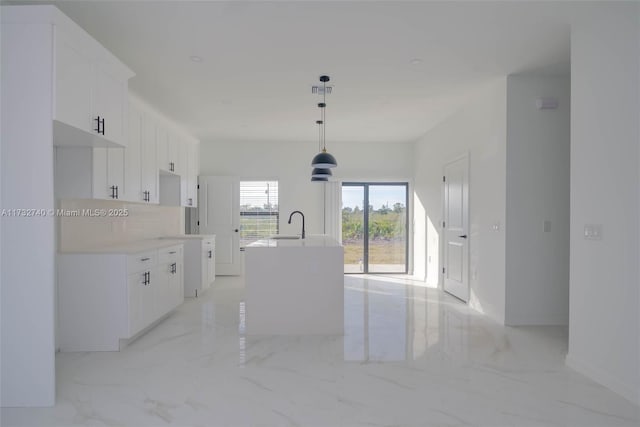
[{"x": 320, "y": 90}]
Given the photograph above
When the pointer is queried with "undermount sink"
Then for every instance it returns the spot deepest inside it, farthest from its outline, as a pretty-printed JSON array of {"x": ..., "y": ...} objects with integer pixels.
[{"x": 284, "y": 237}]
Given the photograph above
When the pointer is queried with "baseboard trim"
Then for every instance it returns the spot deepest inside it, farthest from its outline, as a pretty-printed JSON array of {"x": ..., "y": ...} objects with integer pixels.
[{"x": 604, "y": 378}]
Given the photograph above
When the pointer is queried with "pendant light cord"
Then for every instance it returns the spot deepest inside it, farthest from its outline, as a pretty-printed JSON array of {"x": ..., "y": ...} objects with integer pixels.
[{"x": 324, "y": 116}]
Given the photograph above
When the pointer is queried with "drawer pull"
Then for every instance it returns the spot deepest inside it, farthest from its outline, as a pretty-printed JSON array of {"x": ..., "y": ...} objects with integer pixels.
[
  {"x": 144, "y": 259},
  {"x": 172, "y": 252}
]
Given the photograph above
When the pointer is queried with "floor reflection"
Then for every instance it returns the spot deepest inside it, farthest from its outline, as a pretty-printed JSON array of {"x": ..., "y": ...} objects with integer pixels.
[
  {"x": 410, "y": 356},
  {"x": 387, "y": 320}
]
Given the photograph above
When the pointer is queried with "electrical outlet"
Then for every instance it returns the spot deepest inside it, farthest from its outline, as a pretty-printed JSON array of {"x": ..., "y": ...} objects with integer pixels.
[{"x": 593, "y": 231}]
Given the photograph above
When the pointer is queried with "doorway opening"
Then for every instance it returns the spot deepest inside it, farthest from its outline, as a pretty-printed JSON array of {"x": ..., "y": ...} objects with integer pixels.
[{"x": 375, "y": 227}]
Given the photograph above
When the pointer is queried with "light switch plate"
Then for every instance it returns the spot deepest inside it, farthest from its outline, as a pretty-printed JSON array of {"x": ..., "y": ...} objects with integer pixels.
[
  {"x": 593, "y": 231},
  {"x": 547, "y": 226}
]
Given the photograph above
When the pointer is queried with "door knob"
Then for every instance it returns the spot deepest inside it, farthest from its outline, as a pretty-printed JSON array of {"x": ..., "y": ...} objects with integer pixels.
[
  {"x": 236, "y": 230},
  {"x": 464, "y": 236}
]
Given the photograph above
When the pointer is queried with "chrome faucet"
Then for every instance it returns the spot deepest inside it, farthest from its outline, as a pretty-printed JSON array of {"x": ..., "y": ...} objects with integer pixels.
[{"x": 302, "y": 215}]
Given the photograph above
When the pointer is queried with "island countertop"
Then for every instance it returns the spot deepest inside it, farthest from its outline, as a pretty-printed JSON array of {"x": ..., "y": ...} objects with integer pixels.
[{"x": 309, "y": 241}]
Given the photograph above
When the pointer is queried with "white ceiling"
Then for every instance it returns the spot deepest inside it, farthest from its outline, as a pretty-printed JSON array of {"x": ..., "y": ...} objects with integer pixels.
[{"x": 261, "y": 58}]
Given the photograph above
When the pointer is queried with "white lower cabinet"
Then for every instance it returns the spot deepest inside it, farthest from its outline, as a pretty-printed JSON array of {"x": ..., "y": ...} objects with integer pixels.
[
  {"x": 104, "y": 298},
  {"x": 170, "y": 289},
  {"x": 199, "y": 262},
  {"x": 140, "y": 303}
]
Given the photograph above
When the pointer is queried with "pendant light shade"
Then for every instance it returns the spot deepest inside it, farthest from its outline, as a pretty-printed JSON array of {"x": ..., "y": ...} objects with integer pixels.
[
  {"x": 321, "y": 173},
  {"x": 323, "y": 160}
]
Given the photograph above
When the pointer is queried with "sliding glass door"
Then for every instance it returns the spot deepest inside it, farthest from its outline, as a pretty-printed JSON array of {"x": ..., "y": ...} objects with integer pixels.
[{"x": 374, "y": 227}]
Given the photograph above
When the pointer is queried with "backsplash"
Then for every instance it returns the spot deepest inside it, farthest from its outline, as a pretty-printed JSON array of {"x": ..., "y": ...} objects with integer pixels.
[{"x": 85, "y": 223}]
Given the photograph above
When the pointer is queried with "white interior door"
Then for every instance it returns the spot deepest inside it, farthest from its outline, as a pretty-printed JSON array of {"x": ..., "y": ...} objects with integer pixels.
[
  {"x": 456, "y": 228},
  {"x": 220, "y": 215}
]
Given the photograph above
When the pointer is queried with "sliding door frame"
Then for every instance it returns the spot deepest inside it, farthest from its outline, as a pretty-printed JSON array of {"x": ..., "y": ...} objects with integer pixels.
[{"x": 365, "y": 186}]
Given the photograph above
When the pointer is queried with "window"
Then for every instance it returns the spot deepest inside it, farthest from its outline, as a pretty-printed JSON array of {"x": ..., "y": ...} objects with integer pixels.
[{"x": 258, "y": 210}]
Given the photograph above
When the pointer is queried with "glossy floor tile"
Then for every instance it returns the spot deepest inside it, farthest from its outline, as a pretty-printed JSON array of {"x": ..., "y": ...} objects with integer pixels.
[{"x": 410, "y": 356}]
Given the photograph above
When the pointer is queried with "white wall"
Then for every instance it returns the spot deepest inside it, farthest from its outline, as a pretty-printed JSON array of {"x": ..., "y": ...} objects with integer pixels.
[
  {"x": 479, "y": 129},
  {"x": 290, "y": 164},
  {"x": 28, "y": 353},
  {"x": 604, "y": 328},
  {"x": 537, "y": 262}
]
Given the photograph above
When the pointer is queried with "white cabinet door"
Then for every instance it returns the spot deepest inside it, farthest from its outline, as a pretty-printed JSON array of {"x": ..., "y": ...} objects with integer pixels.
[
  {"x": 193, "y": 168},
  {"x": 176, "y": 285},
  {"x": 174, "y": 153},
  {"x": 74, "y": 83},
  {"x": 110, "y": 104},
  {"x": 205, "y": 269},
  {"x": 149, "y": 160},
  {"x": 100, "y": 174},
  {"x": 91, "y": 91},
  {"x": 115, "y": 172},
  {"x": 220, "y": 215},
  {"x": 140, "y": 302},
  {"x": 163, "y": 148},
  {"x": 132, "y": 160},
  {"x": 183, "y": 168},
  {"x": 161, "y": 290},
  {"x": 108, "y": 173},
  {"x": 211, "y": 273}
]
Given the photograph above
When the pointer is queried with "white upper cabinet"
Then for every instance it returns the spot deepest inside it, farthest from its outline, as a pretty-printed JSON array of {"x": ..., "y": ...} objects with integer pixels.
[
  {"x": 176, "y": 146},
  {"x": 163, "y": 149},
  {"x": 132, "y": 159},
  {"x": 89, "y": 173},
  {"x": 170, "y": 157},
  {"x": 193, "y": 169},
  {"x": 74, "y": 84},
  {"x": 149, "y": 160},
  {"x": 91, "y": 91}
]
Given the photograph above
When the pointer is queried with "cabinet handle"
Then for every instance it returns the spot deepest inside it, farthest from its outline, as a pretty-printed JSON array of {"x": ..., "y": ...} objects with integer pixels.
[
  {"x": 174, "y": 268},
  {"x": 144, "y": 259},
  {"x": 102, "y": 126},
  {"x": 190, "y": 201},
  {"x": 97, "y": 129},
  {"x": 172, "y": 166},
  {"x": 114, "y": 192},
  {"x": 117, "y": 196},
  {"x": 210, "y": 254},
  {"x": 172, "y": 252},
  {"x": 148, "y": 277}
]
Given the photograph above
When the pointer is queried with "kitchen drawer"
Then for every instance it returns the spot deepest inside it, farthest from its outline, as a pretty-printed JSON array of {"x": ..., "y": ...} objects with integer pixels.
[
  {"x": 172, "y": 253},
  {"x": 141, "y": 261}
]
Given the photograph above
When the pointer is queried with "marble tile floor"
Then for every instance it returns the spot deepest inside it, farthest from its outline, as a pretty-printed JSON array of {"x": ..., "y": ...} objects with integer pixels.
[{"x": 410, "y": 356}]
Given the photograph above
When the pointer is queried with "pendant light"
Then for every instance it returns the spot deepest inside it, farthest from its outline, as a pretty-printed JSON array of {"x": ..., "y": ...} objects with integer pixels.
[
  {"x": 320, "y": 174},
  {"x": 324, "y": 160}
]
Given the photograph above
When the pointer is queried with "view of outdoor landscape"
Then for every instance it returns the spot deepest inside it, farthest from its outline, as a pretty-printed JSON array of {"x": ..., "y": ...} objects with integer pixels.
[
  {"x": 386, "y": 233},
  {"x": 258, "y": 210}
]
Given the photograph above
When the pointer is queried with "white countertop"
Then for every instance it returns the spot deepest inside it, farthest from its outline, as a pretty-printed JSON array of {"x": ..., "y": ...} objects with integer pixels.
[
  {"x": 190, "y": 236},
  {"x": 310, "y": 241},
  {"x": 128, "y": 247}
]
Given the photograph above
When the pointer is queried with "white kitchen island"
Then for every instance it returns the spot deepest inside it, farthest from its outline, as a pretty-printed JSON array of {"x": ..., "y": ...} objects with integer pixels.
[{"x": 295, "y": 287}]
